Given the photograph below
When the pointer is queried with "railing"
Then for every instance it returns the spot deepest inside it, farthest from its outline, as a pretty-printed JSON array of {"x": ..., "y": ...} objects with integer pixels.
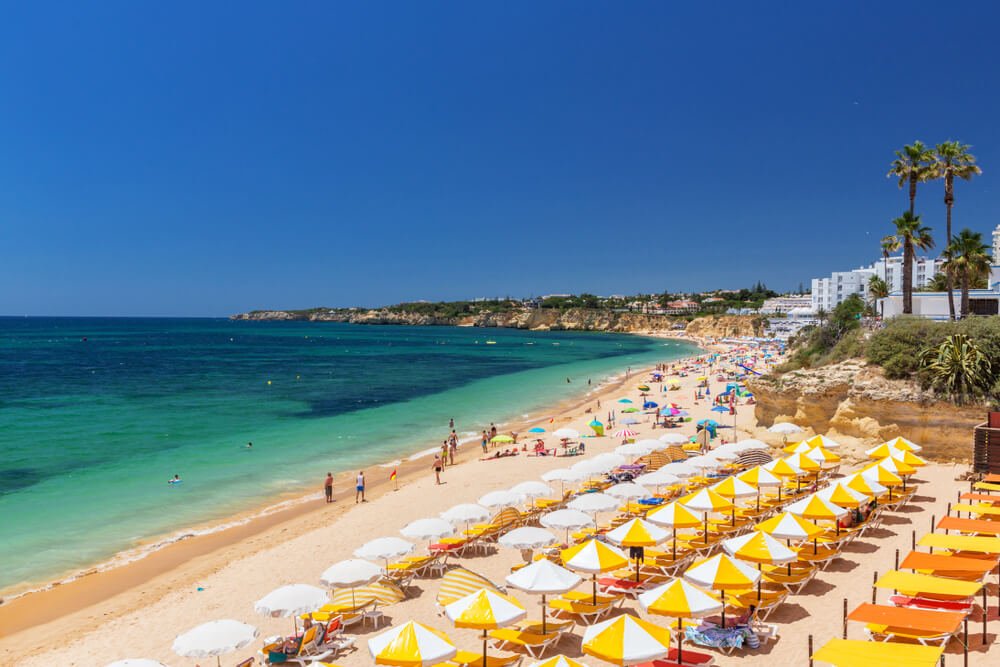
[{"x": 986, "y": 449}]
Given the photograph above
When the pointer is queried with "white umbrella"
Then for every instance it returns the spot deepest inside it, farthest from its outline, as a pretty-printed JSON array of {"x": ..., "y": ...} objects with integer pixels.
[
  {"x": 563, "y": 475},
  {"x": 632, "y": 450},
  {"x": 827, "y": 443},
  {"x": 750, "y": 443},
  {"x": 566, "y": 434},
  {"x": 466, "y": 513},
  {"x": 566, "y": 520},
  {"x": 543, "y": 577},
  {"x": 214, "y": 639},
  {"x": 350, "y": 573},
  {"x": 657, "y": 478},
  {"x": 674, "y": 438},
  {"x": 498, "y": 499},
  {"x": 136, "y": 662},
  {"x": 427, "y": 529},
  {"x": 614, "y": 460},
  {"x": 680, "y": 469},
  {"x": 592, "y": 503},
  {"x": 527, "y": 537},
  {"x": 723, "y": 454},
  {"x": 384, "y": 548},
  {"x": 592, "y": 467},
  {"x": 785, "y": 428},
  {"x": 705, "y": 462},
  {"x": 291, "y": 600},
  {"x": 653, "y": 445},
  {"x": 531, "y": 489},
  {"x": 628, "y": 491}
]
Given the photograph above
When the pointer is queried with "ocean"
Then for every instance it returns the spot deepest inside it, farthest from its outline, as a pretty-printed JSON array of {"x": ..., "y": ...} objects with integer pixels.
[{"x": 96, "y": 414}]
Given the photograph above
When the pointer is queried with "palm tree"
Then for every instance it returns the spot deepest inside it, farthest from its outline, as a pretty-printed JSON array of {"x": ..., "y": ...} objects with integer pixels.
[
  {"x": 957, "y": 366},
  {"x": 912, "y": 165},
  {"x": 911, "y": 234},
  {"x": 878, "y": 289},
  {"x": 939, "y": 282},
  {"x": 967, "y": 258},
  {"x": 952, "y": 159}
]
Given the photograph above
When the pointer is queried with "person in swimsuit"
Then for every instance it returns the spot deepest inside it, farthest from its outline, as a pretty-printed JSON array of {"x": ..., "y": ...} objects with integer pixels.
[
  {"x": 437, "y": 468},
  {"x": 328, "y": 487},
  {"x": 175, "y": 480},
  {"x": 359, "y": 488}
]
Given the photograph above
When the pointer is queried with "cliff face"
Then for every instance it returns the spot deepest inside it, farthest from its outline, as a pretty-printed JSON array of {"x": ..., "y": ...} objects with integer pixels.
[
  {"x": 726, "y": 326},
  {"x": 854, "y": 403}
]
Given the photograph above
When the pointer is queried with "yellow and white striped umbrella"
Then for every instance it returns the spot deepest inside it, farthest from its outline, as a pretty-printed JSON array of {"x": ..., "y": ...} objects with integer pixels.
[
  {"x": 894, "y": 466},
  {"x": 904, "y": 444},
  {"x": 383, "y": 592},
  {"x": 758, "y": 547},
  {"x": 909, "y": 458},
  {"x": 787, "y": 526},
  {"x": 637, "y": 533},
  {"x": 459, "y": 582},
  {"x": 674, "y": 515},
  {"x": 594, "y": 557},
  {"x": 815, "y": 508},
  {"x": 559, "y": 661},
  {"x": 626, "y": 640},
  {"x": 732, "y": 488},
  {"x": 822, "y": 456},
  {"x": 783, "y": 468},
  {"x": 679, "y": 599},
  {"x": 411, "y": 645},
  {"x": 882, "y": 451},
  {"x": 705, "y": 500},
  {"x": 485, "y": 610},
  {"x": 758, "y": 476},
  {"x": 867, "y": 486},
  {"x": 797, "y": 448},
  {"x": 843, "y": 495},
  {"x": 803, "y": 463},
  {"x": 823, "y": 441},
  {"x": 721, "y": 572},
  {"x": 881, "y": 475}
]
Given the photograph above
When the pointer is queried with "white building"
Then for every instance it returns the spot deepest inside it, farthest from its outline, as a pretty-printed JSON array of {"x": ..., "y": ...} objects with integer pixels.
[
  {"x": 785, "y": 303},
  {"x": 827, "y": 293}
]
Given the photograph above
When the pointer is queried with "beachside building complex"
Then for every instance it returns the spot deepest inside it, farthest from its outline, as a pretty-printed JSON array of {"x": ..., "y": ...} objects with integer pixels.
[{"x": 827, "y": 293}]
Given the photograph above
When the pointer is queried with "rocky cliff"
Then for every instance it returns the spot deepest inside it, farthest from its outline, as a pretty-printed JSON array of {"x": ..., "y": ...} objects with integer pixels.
[
  {"x": 726, "y": 326},
  {"x": 855, "y": 404}
]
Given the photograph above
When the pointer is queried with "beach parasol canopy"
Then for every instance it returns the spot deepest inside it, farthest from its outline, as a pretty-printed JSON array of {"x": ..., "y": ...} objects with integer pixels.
[
  {"x": 785, "y": 428},
  {"x": 758, "y": 547},
  {"x": 704, "y": 462},
  {"x": 543, "y": 577},
  {"x": 566, "y": 519},
  {"x": 136, "y": 662},
  {"x": 559, "y": 661},
  {"x": 485, "y": 610},
  {"x": 679, "y": 599},
  {"x": 842, "y": 495},
  {"x": 531, "y": 489},
  {"x": 653, "y": 445},
  {"x": 657, "y": 479},
  {"x": 428, "y": 529},
  {"x": 787, "y": 526},
  {"x": 674, "y": 438},
  {"x": 866, "y": 486},
  {"x": 783, "y": 468},
  {"x": 823, "y": 441},
  {"x": 882, "y": 451},
  {"x": 758, "y": 476},
  {"x": 527, "y": 537},
  {"x": 909, "y": 458},
  {"x": 706, "y": 500},
  {"x": 384, "y": 548},
  {"x": 624, "y": 400},
  {"x": 815, "y": 508},
  {"x": 350, "y": 573},
  {"x": 894, "y": 466},
  {"x": 291, "y": 600},
  {"x": 798, "y": 448},
  {"x": 723, "y": 455},
  {"x": 594, "y": 557},
  {"x": 411, "y": 644},
  {"x": 733, "y": 488},
  {"x": 466, "y": 513},
  {"x": 563, "y": 475},
  {"x": 214, "y": 638},
  {"x": 674, "y": 515},
  {"x": 803, "y": 463},
  {"x": 750, "y": 444},
  {"x": 626, "y": 640},
  {"x": 500, "y": 499},
  {"x": 632, "y": 449},
  {"x": 881, "y": 476},
  {"x": 593, "y": 503},
  {"x": 822, "y": 456},
  {"x": 626, "y": 432},
  {"x": 903, "y": 444},
  {"x": 721, "y": 572},
  {"x": 502, "y": 439},
  {"x": 627, "y": 491},
  {"x": 566, "y": 434},
  {"x": 536, "y": 429},
  {"x": 680, "y": 469},
  {"x": 637, "y": 533}
]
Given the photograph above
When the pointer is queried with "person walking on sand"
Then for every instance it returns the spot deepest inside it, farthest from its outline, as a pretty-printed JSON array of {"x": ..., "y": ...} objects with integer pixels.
[
  {"x": 328, "y": 487},
  {"x": 452, "y": 448},
  {"x": 437, "y": 469},
  {"x": 359, "y": 488},
  {"x": 444, "y": 452}
]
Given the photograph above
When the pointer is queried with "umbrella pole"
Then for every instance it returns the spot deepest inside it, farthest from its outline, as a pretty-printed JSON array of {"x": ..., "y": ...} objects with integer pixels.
[
  {"x": 593, "y": 578},
  {"x": 680, "y": 641},
  {"x": 675, "y": 543},
  {"x": 723, "y": 607},
  {"x": 543, "y": 616},
  {"x": 484, "y": 647}
]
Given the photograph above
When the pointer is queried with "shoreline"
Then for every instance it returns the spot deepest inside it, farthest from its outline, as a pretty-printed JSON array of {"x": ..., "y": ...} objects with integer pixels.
[{"x": 174, "y": 555}]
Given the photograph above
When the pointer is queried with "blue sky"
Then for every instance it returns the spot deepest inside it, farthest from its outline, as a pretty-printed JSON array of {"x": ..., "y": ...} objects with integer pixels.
[{"x": 207, "y": 158}]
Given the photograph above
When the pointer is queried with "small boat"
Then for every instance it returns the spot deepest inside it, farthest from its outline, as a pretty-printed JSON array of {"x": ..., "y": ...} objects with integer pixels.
[{"x": 491, "y": 342}]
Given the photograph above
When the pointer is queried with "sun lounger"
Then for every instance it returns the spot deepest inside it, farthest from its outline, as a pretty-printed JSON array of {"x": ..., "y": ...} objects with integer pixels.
[
  {"x": 886, "y": 623},
  {"x": 794, "y": 582},
  {"x": 969, "y": 526},
  {"x": 689, "y": 658},
  {"x": 309, "y": 649},
  {"x": 986, "y": 486},
  {"x": 981, "y": 497},
  {"x": 471, "y": 659},
  {"x": 854, "y": 652},
  {"x": 927, "y": 586},
  {"x": 949, "y": 566},
  {"x": 515, "y": 640},
  {"x": 917, "y": 602},
  {"x": 587, "y": 612},
  {"x": 983, "y": 545}
]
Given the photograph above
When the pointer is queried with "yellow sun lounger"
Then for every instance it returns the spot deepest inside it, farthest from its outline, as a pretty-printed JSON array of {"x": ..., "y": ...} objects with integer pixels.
[
  {"x": 986, "y": 486},
  {"x": 928, "y": 585},
  {"x": 532, "y": 644},
  {"x": 471, "y": 659},
  {"x": 982, "y": 509},
  {"x": 857, "y": 653},
  {"x": 983, "y": 545}
]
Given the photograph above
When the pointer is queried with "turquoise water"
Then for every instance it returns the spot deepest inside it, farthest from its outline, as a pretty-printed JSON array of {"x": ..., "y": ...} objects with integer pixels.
[{"x": 96, "y": 415}]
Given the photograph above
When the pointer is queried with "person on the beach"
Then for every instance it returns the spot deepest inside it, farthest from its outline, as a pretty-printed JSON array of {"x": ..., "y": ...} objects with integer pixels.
[
  {"x": 444, "y": 452},
  {"x": 486, "y": 441},
  {"x": 328, "y": 487},
  {"x": 437, "y": 469},
  {"x": 451, "y": 423},
  {"x": 452, "y": 448},
  {"x": 493, "y": 430},
  {"x": 359, "y": 488}
]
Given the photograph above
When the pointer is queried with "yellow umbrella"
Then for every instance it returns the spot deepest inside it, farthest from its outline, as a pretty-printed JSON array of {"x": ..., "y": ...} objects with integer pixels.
[
  {"x": 559, "y": 661},
  {"x": 816, "y": 508},
  {"x": 411, "y": 645},
  {"x": 843, "y": 495},
  {"x": 705, "y": 501},
  {"x": 594, "y": 557},
  {"x": 674, "y": 516},
  {"x": 679, "y": 599},
  {"x": 759, "y": 477},
  {"x": 903, "y": 444},
  {"x": 895, "y": 465},
  {"x": 788, "y": 526},
  {"x": 757, "y": 547},
  {"x": 637, "y": 533},
  {"x": 485, "y": 610},
  {"x": 867, "y": 486},
  {"x": 881, "y": 452},
  {"x": 784, "y": 469},
  {"x": 908, "y": 458},
  {"x": 626, "y": 640},
  {"x": 797, "y": 448},
  {"x": 822, "y": 456},
  {"x": 803, "y": 462},
  {"x": 722, "y": 573},
  {"x": 733, "y": 487}
]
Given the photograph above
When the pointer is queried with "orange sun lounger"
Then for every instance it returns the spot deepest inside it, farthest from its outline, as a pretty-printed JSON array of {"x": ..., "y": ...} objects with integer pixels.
[
  {"x": 985, "y": 497},
  {"x": 941, "y": 565},
  {"x": 969, "y": 525},
  {"x": 923, "y": 625}
]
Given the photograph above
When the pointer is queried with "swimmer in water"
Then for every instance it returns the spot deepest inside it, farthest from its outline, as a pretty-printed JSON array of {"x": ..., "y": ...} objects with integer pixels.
[
  {"x": 249, "y": 445},
  {"x": 175, "y": 480}
]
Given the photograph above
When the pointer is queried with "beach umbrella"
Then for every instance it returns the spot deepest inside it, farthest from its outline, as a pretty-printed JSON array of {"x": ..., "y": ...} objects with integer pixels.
[
  {"x": 894, "y": 465},
  {"x": 734, "y": 488},
  {"x": 758, "y": 476},
  {"x": 882, "y": 451},
  {"x": 788, "y": 526},
  {"x": 750, "y": 444},
  {"x": 643, "y": 387},
  {"x": 903, "y": 444},
  {"x": 428, "y": 529},
  {"x": 214, "y": 639},
  {"x": 803, "y": 463},
  {"x": 636, "y": 535},
  {"x": 649, "y": 405},
  {"x": 783, "y": 468},
  {"x": 624, "y": 400},
  {"x": 500, "y": 499},
  {"x": 384, "y": 548},
  {"x": 292, "y": 600},
  {"x": 632, "y": 449},
  {"x": 674, "y": 516},
  {"x": 707, "y": 422},
  {"x": 467, "y": 513},
  {"x": 502, "y": 439},
  {"x": 411, "y": 644},
  {"x": 625, "y": 432},
  {"x": 559, "y": 661},
  {"x": 594, "y": 557},
  {"x": 785, "y": 428},
  {"x": 628, "y": 491},
  {"x": 563, "y": 475},
  {"x": 652, "y": 445},
  {"x": 567, "y": 520},
  {"x": 822, "y": 456},
  {"x": 816, "y": 508},
  {"x": 705, "y": 501},
  {"x": 658, "y": 478},
  {"x": 881, "y": 476},
  {"x": 527, "y": 537},
  {"x": 680, "y": 469},
  {"x": 867, "y": 486},
  {"x": 543, "y": 577},
  {"x": 566, "y": 434},
  {"x": 723, "y": 455},
  {"x": 592, "y": 503},
  {"x": 798, "y": 448},
  {"x": 485, "y": 610},
  {"x": 721, "y": 573},
  {"x": 626, "y": 640},
  {"x": 351, "y": 574},
  {"x": 136, "y": 662},
  {"x": 842, "y": 495},
  {"x": 758, "y": 547},
  {"x": 536, "y": 429},
  {"x": 823, "y": 441},
  {"x": 532, "y": 489},
  {"x": 594, "y": 466},
  {"x": 679, "y": 599},
  {"x": 674, "y": 438},
  {"x": 720, "y": 408},
  {"x": 909, "y": 458},
  {"x": 704, "y": 462}
]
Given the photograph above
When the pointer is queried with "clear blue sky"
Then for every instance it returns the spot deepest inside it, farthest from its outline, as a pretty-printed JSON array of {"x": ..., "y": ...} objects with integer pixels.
[{"x": 202, "y": 158}]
